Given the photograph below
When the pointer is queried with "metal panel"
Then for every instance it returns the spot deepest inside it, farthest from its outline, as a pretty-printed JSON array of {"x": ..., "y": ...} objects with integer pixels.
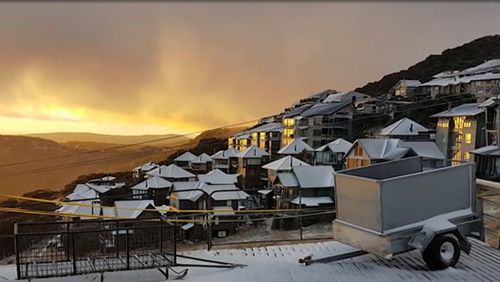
[
  {"x": 358, "y": 201},
  {"x": 387, "y": 169},
  {"x": 413, "y": 198}
]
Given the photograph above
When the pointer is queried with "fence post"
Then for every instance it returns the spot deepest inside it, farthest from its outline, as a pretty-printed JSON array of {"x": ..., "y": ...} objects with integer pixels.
[
  {"x": 74, "y": 252},
  {"x": 300, "y": 213},
  {"x": 161, "y": 235},
  {"x": 17, "y": 250},
  {"x": 117, "y": 241},
  {"x": 127, "y": 248},
  {"x": 175, "y": 242},
  {"x": 209, "y": 222},
  {"x": 67, "y": 242}
]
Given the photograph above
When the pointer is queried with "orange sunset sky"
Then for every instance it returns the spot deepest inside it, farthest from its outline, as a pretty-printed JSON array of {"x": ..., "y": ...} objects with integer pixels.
[{"x": 155, "y": 68}]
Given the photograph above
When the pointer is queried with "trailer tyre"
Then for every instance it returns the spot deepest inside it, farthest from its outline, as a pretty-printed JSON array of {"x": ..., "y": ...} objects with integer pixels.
[{"x": 443, "y": 251}]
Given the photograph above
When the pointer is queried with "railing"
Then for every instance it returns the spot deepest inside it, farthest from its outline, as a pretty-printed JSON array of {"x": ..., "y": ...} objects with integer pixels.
[
  {"x": 72, "y": 248},
  {"x": 489, "y": 202}
]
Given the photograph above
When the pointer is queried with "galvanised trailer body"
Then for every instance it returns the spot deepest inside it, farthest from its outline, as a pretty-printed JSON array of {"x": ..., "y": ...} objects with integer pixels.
[{"x": 397, "y": 206}]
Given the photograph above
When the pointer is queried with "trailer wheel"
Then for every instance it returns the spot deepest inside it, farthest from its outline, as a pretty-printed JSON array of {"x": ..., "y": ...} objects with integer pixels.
[{"x": 443, "y": 251}]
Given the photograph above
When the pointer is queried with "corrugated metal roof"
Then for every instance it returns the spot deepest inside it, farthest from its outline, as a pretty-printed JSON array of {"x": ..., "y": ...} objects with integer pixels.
[
  {"x": 285, "y": 163},
  {"x": 296, "y": 147},
  {"x": 322, "y": 109},
  {"x": 314, "y": 176},
  {"x": 288, "y": 179},
  {"x": 186, "y": 157},
  {"x": 339, "y": 145},
  {"x": 404, "y": 126},
  {"x": 470, "y": 109},
  {"x": 296, "y": 111}
]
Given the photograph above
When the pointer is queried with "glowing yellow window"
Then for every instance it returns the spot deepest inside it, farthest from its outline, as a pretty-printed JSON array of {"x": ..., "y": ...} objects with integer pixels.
[
  {"x": 468, "y": 138},
  {"x": 466, "y": 156}
]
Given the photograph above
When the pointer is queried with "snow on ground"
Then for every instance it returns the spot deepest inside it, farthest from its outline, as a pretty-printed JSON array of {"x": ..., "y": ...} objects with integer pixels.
[{"x": 280, "y": 263}]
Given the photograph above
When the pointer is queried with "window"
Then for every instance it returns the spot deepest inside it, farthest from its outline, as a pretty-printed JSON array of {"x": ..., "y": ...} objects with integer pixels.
[
  {"x": 289, "y": 122},
  {"x": 467, "y": 123},
  {"x": 443, "y": 123},
  {"x": 466, "y": 156},
  {"x": 468, "y": 138}
]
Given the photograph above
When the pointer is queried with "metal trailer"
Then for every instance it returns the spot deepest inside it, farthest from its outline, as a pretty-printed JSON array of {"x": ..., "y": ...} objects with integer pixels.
[{"x": 398, "y": 206}]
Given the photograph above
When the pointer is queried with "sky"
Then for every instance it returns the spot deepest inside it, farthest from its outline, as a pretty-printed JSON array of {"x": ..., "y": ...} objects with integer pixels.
[{"x": 168, "y": 67}]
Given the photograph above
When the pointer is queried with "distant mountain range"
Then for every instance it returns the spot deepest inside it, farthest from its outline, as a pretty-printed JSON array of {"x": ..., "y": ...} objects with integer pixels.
[
  {"x": 65, "y": 137},
  {"x": 459, "y": 58}
]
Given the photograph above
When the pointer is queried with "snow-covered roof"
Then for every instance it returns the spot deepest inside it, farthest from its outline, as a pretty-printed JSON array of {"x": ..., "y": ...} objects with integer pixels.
[
  {"x": 186, "y": 157},
  {"x": 339, "y": 145},
  {"x": 296, "y": 111},
  {"x": 484, "y": 67},
  {"x": 179, "y": 187},
  {"x": 297, "y": 146},
  {"x": 268, "y": 127},
  {"x": 382, "y": 149},
  {"x": 225, "y": 154},
  {"x": 108, "y": 178},
  {"x": 470, "y": 109},
  {"x": 321, "y": 109},
  {"x": 146, "y": 167},
  {"x": 404, "y": 126},
  {"x": 252, "y": 152},
  {"x": 279, "y": 263},
  {"x": 81, "y": 209},
  {"x": 285, "y": 163},
  {"x": 455, "y": 80},
  {"x": 82, "y": 192},
  {"x": 171, "y": 171},
  {"x": 314, "y": 176},
  {"x": 132, "y": 209},
  {"x": 288, "y": 179},
  {"x": 425, "y": 149},
  {"x": 344, "y": 96},
  {"x": 201, "y": 159},
  {"x": 312, "y": 201},
  {"x": 217, "y": 176},
  {"x": 411, "y": 82},
  {"x": 491, "y": 150},
  {"x": 154, "y": 182}
]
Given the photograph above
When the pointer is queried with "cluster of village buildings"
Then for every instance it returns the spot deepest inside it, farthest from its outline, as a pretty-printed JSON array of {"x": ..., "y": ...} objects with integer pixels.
[{"x": 289, "y": 160}]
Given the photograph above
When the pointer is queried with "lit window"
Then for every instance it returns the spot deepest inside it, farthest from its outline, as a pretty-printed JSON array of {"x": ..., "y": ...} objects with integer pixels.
[
  {"x": 467, "y": 124},
  {"x": 466, "y": 156},
  {"x": 468, "y": 138}
]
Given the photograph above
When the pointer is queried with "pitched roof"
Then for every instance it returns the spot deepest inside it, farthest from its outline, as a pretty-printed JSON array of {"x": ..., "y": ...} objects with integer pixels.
[
  {"x": 225, "y": 154},
  {"x": 171, "y": 171},
  {"x": 470, "y": 109},
  {"x": 491, "y": 150},
  {"x": 296, "y": 111},
  {"x": 426, "y": 149},
  {"x": 314, "y": 176},
  {"x": 285, "y": 163},
  {"x": 268, "y": 127},
  {"x": 321, "y": 109},
  {"x": 337, "y": 146},
  {"x": 288, "y": 179},
  {"x": 344, "y": 96},
  {"x": 194, "y": 195},
  {"x": 186, "y": 157},
  {"x": 217, "y": 176},
  {"x": 296, "y": 147},
  {"x": 218, "y": 191},
  {"x": 154, "y": 182},
  {"x": 201, "y": 159},
  {"x": 382, "y": 149},
  {"x": 132, "y": 209},
  {"x": 252, "y": 152},
  {"x": 404, "y": 126},
  {"x": 411, "y": 82},
  {"x": 146, "y": 167}
]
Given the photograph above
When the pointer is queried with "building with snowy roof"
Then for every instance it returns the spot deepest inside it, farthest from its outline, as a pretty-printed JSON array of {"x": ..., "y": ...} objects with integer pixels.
[
  {"x": 405, "y": 88},
  {"x": 296, "y": 147},
  {"x": 154, "y": 188},
  {"x": 282, "y": 165},
  {"x": 201, "y": 164},
  {"x": 217, "y": 176},
  {"x": 226, "y": 160},
  {"x": 250, "y": 163},
  {"x": 172, "y": 173},
  {"x": 333, "y": 153},
  {"x": 141, "y": 170},
  {"x": 460, "y": 130},
  {"x": 184, "y": 160},
  {"x": 368, "y": 151},
  {"x": 406, "y": 129},
  {"x": 267, "y": 136}
]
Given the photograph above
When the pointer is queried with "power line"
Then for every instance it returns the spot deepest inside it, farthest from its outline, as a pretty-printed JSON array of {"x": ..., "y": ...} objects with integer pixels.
[
  {"x": 126, "y": 145},
  {"x": 103, "y": 160}
]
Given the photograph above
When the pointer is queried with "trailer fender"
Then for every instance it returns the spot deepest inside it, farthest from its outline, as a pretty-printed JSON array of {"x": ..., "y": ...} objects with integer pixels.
[
  {"x": 430, "y": 230},
  {"x": 465, "y": 245}
]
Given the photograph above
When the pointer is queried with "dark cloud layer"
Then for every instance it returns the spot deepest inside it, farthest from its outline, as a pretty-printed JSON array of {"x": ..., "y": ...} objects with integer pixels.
[{"x": 205, "y": 64}]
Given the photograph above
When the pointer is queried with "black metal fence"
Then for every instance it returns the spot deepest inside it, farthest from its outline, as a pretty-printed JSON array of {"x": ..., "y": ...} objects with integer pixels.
[{"x": 72, "y": 248}]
